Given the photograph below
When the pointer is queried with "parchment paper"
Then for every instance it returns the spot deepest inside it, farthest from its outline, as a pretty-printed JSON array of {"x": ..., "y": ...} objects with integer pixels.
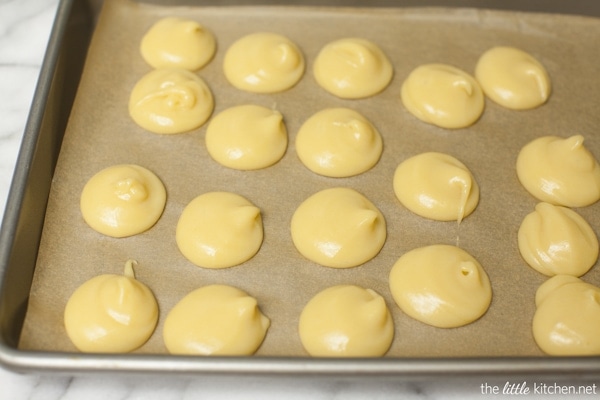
[{"x": 100, "y": 134}]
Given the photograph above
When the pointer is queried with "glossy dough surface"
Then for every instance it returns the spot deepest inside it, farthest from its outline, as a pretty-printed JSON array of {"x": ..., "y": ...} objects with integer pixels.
[
  {"x": 215, "y": 320},
  {"x": 219, "y": 230},
  {"x": 263, "y": 62},
  {"x": 440, "y": 285},
  {"x": 513, "y": 78},
  {"x": 436, "y": 186},
  {"x": 178, "y": 43},
  {"x": 247, "y": 137},
  {"x": 338, "y": 142},
  {"x": 169, "y": 101},
  {"x": 338, "y": 228},
  {"x": 560, "y": 171},
  {"x": 567, "y": 318},
  {"x": 123, "y": 200},
  {"x": 111, "y": 314},
  {"x": 443, "y": 95},
  {"x": 555, "y": 240},
  {"x": 352, "y": 68},
  {"x": 346, "y": 321}
]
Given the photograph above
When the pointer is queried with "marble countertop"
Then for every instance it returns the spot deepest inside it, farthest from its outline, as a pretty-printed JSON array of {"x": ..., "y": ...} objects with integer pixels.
[{"x": 24, "y": 29}]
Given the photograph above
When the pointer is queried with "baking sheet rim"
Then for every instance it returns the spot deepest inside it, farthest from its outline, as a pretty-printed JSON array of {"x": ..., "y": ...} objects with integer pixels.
[{"x": 77, "y": 362}]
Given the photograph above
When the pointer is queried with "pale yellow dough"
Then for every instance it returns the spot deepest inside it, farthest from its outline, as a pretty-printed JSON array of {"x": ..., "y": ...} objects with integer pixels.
[
  {"x": 513, "y": 78},
  {"x": 169, "y": 101},
  {"x": 338, "y": 142},
  {"x": 556, "y": 240},
  {"x": 352, "y": 68},
  {"x": 436, "y": 186},
  {"x": 338, "y": 228},
  {"x": 215, "y": 320},
  {"x": 123, "y": 200},
  {"x": 178, "y": 43},
  {"x": 111, "y": 313},
  {"x": 560, "y": 171},
  {"x": 440, "y": 285},
  {"x": 567, "y": 319},
  {"x": 247, "y": 137},
  {"x": 263, "y": 62},
  {"x": 219, "y": 230},
  {"x": 443, "y": 95},
  {"x": 346, "y": 321}
]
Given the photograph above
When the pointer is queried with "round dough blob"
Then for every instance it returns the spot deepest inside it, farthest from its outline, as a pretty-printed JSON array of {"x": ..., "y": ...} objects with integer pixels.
[
  {"x": 263, "y": 63},
  {"x": 178, "y": 43},
  {"x": 338, "y": 142},
  {"x": 169, "y": 101},
  {"x": 567, "y": 319},
  {"x": 443, "y": 95},
  {"x": 346, "y": 321},
  {"x": 559, "y": 171},
  {"x": 338, "y": 228},
  {"x": 436, "y": 186},
  {"x": 215, "y": 320},
  {"x": 123, "y": 200},
  {"x": 513, "y": 78},
  {"x": 111, "y": 314},
  {"x": 247, "y": 137},
  {"x": 556, "y": 240},
  {"x": 352, "y": 68},
  {"x": 440, "y": 285},
  {"x": 219, "y": 230}
]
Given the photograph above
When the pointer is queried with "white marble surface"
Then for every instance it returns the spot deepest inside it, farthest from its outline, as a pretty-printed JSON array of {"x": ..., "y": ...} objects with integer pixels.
[{"x": 24, "y": 29}]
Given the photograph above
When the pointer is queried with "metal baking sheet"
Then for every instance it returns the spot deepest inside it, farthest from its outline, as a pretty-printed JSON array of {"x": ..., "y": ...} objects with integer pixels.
[{"x": 25, "y": 214}]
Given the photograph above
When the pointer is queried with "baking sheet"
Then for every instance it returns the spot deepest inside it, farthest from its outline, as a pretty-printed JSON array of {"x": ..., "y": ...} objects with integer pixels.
[{"x": 100, "y": 134}]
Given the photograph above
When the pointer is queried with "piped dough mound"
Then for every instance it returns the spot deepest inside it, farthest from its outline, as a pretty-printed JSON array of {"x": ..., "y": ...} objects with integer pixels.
[
  {"x": 560, "y": 171},
  {"x": 178, "y": 43},
  {"x": 513, "y": 78},
  {"x": 219, "y": 230},
  {"x": 567, "y": 318},
  {"x": 247, "y": 137},
  {"x": 123, "y": 200},
  {"x": 111, "y": 313},
  {"x": 436, "y": 186},
  {"x": 555, "y": 240},
  {"x": 215, "y": 320},
  {"x": 338, "y": 228},
  {"x": 338, "y": 142},
  {"x": 263, "y": 62},
  {"x": 346, "y": 321},
  {"x": 169, "y": 101},
  {"x": 440, "y": 285},
  {"x": 443, "y": 95},
  {"x": 352, "y": 68}
]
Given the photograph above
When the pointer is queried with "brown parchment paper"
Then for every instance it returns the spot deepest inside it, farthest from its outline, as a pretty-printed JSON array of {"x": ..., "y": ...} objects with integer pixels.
[{"x": 100, "y": 134}]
